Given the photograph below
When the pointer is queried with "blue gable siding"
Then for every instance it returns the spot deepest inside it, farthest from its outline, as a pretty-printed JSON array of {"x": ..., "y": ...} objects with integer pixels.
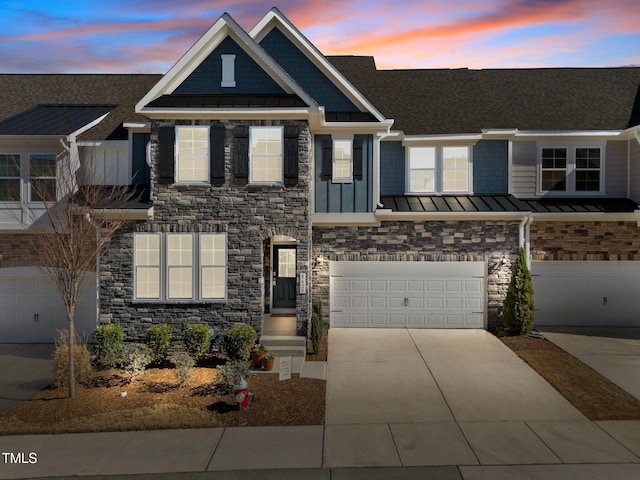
[
  {"x": 491, "y": 167},
  {"x": 392, "y": 168},
  {"x": 344, "y": 197},
  {"x": 303, "y": 71},
  {"x": 140, "y": 170},
  {"x": 249, "y": 76}
]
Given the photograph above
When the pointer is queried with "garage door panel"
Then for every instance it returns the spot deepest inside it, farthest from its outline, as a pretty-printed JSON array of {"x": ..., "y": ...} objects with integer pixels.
[
  {"x": 586, "y": 293},
  {"x": 407, "y": 294}
]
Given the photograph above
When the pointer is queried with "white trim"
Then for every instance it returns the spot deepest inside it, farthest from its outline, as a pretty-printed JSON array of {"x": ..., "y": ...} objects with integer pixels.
[
  {"x": 438, "y": 184},
  {"x": 320, "y": 219},
  {"x": 341, "y": 138},
  {"x": 385, "y": 214},
  {"x": 275, "y": 18},
  {"x": 429, "y": 140},
  {"x": 280, "y": 181},
  {"x": 177, "y": 156},
  {"x": 223, "y": 28}
]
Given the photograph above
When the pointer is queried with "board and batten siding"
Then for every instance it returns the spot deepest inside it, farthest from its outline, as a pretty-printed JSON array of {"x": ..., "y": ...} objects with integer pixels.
[
  {"x": 634, "y": 149},
  {"x": 523, "y": 169},
  {"x": 106, "y": 164},
  {"x": 615, "y": 169}
]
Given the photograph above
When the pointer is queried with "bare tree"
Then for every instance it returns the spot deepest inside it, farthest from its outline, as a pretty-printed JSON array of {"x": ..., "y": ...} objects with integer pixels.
[{"x": 72, "y": 223}]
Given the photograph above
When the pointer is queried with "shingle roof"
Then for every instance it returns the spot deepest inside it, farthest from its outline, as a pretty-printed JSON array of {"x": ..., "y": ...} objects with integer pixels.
[
  {"x": 20, "y": 93},
  {"x": 467, "y": 101},
  {"x": 505, "y": 203}
]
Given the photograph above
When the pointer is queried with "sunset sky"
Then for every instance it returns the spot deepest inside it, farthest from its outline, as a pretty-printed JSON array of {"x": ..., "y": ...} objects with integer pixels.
[{"x": 148, "y": 36}]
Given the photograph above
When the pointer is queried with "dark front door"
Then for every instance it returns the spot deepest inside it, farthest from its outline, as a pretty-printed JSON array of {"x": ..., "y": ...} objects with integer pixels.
[{"x": 284, "y": 276}]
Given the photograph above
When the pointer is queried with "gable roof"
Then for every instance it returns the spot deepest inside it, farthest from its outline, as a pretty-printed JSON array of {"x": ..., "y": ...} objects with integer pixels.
[
  {"x": 53, "y": 119},
  {"x": 223, "y": 28},
  {"x": 24, "y": 97},
  {"x": 435, "y": 102}
]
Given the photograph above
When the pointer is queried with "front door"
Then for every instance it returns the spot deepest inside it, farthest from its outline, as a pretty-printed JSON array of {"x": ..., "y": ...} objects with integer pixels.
[{"x": 284, "y": 276}]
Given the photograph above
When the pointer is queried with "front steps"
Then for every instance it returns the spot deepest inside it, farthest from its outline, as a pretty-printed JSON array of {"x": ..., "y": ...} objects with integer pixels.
[{"x": 279, "y": 337}]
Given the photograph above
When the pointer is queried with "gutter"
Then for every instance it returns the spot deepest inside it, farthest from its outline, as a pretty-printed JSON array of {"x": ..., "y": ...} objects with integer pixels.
[{"x": 524, "y": 237}]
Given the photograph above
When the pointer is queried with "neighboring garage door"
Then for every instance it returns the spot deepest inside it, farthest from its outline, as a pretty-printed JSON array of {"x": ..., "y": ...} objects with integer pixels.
[
  {"x": 586, "y": 293},
  {"x": 31, "y": 310},
  {"x": 407, "y": 294}
]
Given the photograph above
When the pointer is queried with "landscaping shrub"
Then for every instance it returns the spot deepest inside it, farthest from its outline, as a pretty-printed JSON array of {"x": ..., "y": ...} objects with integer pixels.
[
  {"x": 133, "y": 358},
  {"x": 237, "y": 341},
  {"x": 81, "y": 358},
  {"x": 157, "y": 339},
  {"x": 183, "y": 370},
  {"x": 316, "y": 325},
  {"x": 229, "y": 374},
  {"x": 196, "y": 340},
  {"x": 518, "y": 307},
  {"x": 106, "y": 340}
]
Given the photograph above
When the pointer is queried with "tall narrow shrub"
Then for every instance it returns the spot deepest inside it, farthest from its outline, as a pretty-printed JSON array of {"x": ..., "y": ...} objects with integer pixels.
[
  {"x": 316, "y": 325},
  {"x": 518, "y": 307}
]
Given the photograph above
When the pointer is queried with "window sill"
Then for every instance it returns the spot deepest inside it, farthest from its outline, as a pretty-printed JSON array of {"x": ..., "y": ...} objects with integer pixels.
[{"x": 140, "y": 301}]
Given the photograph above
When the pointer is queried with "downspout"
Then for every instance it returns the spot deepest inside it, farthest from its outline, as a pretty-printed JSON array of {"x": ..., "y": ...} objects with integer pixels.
[
  {"x": 376, "y": 168},
  {"x": 524, "y": 237}
]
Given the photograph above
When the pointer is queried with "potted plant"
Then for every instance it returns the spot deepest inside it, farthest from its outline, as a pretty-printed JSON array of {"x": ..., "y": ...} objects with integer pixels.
[
  {"x": 267, "y": 362},
  {"x": 258, "y": 351}
]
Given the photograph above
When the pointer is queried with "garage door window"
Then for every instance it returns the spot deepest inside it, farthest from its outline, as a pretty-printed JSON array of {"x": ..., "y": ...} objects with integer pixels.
[{"x": 183, "y": 267}]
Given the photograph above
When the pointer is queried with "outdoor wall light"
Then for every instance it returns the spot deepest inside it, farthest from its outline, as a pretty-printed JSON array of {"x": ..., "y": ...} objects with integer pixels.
[{"x": 319, "y": 261}]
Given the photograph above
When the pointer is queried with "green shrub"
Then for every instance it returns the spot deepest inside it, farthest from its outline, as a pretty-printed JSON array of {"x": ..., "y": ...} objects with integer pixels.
[
  {"x": 157, "y": 339},
  {"x": 133, "y": 358},
  {"x": 316, "y": 325},
  {"x": 81, "y": 360},
  {"x": 196, "y": 340},
  {"x": 183, "y": 367},
  {"x": 518, "y": 307},
  {"x": 106, "y": 340},
  {"x": 237, "y": 341},
  {"x": 229, "y": 374}
]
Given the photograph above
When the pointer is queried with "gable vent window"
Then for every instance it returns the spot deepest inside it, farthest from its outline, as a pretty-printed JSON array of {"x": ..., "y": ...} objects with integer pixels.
[{"x": 228, "y": 71}]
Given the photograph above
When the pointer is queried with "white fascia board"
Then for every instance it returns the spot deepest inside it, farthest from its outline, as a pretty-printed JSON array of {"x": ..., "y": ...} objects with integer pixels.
[
  {"x": 385, "y": 214},
  {"x": 225, "y": 26},
  {"x": 344, "y": 219},
  {"x": 275, "y": 17},
  {"x": 229, "y": 114},
  {"x": 81, "y": 130},
  {"x": 569, "y": 133},
  {"x": 103, "y": 143},
  {"x": 588, "y": 217},
  {"x": 137, "y": 125},
  {"x": 418, "y": 140}
]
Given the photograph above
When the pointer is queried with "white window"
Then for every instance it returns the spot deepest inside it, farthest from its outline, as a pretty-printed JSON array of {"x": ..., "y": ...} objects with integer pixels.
[
  {"x": 266, "y": 154},
  {"x": 342, "y": 161},
  {"x": 228, "y": 71},
  {"x": 438, "y": 170},
  {"x": 42, "y": 173},
  {"x": 192, "y": 154},
  {"x": 9, "y": 177},
  {"x": 571, "y": 170},
  {"x": 147, "y": 265},
  {"x": 180, "y": 267}
]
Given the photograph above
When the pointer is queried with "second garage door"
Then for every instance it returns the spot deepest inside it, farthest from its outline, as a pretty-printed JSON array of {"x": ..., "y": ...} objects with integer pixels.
[{"x": 407, "y": 294}]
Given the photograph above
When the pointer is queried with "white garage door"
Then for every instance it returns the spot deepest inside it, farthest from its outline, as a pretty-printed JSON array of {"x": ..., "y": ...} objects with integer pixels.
[
  {"x": 407, "y": 294},
  {"x": 31, "y": 310},
  {"x": 586, "y": 293}
]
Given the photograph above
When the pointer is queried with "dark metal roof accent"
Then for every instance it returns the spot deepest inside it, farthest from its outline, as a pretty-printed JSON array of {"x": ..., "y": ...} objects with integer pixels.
[
  {"x": 505, "y": 204},
  {"x": 350, "y": 117},
  {"x": 228, "y": 101},
  {"x": 52, "y": 119}
]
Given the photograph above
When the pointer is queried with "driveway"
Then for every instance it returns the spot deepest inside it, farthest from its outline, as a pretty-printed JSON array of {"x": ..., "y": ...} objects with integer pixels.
[
  {"x": 24, "y": 369},
  {"x": 612, "y": 352},
  {"x": 448, "y": 397}
]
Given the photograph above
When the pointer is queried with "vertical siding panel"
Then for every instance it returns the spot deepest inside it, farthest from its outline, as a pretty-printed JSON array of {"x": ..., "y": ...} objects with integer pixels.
[
  {"x": 635, "y": 170},
  {"x": 615, "y": 169},
  {"x": 524, "y": 169},
  {"x": 320, "y": 187}
]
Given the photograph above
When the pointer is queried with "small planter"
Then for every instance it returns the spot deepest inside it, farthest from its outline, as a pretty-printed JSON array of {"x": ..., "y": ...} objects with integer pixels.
[
  {"x": 267, "y": 362},
  {"x": 256, "y": 359}
]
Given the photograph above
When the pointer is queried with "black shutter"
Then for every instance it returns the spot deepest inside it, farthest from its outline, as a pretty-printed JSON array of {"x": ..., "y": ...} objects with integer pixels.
[
  {"x": 216, "y": 144},
  {"x": 326, "y": 172},
  {"x": 241, "y": 153},
  {"x": 291, "y": 155},
  {"x": 166, "y": 157},
  {"x": 357, "y": 158}
]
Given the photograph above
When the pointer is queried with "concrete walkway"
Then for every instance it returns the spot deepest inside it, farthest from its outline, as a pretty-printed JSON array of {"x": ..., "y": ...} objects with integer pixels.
[
  {"x": 612, "y": 352},
  {"x": 401, "y": 404}
]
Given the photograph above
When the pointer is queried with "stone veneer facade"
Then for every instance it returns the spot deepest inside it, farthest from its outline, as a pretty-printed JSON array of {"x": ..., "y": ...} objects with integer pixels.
[
  {"x": 436, "y": 241},
  {"x": 585, "y": 241},
  {"x": 250, "y": 215}
]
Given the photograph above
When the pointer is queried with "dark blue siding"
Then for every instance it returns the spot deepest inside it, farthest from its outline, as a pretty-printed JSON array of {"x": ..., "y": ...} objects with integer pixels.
[
  {"x": 392, "y": 168},
  {"x": 303, "y": 71},
  {"x": 140, "y": 171},
  {"x": 491, "y": 167},
  {"x": 344, "y": 197},
  {"x": 250, "y": 77}
]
